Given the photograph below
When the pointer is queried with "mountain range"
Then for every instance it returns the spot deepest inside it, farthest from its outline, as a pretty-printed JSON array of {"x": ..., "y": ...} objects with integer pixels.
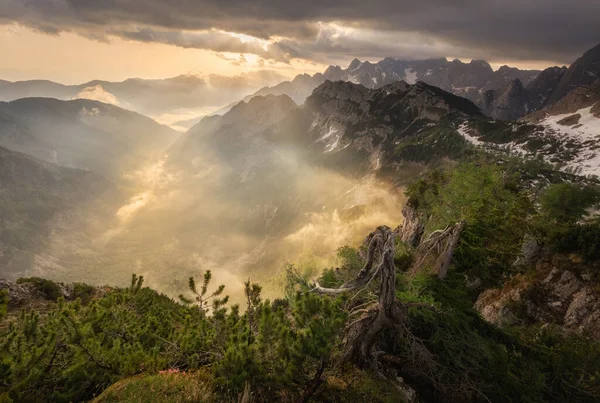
[
  {"x": 507, "y": 93},
  {"x": 165, "y": 99},
  {"x": 82, "y": 134}
]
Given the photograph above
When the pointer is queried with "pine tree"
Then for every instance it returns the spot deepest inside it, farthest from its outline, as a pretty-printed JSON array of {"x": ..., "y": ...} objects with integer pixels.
[{"x": 201, "y": 297}]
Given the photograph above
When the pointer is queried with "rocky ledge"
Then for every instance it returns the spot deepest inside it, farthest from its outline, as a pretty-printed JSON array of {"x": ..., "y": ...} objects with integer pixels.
[{"x": 563, "y": 292}]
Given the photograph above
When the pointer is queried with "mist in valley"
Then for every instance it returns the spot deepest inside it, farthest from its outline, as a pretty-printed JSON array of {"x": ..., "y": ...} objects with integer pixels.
[
  {"x": 177, "y": 224},
  {"x": 182, "y": 204}
]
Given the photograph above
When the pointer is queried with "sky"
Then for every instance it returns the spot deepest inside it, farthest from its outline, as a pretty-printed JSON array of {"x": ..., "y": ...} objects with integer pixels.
[{"x": 73, "y": 41}]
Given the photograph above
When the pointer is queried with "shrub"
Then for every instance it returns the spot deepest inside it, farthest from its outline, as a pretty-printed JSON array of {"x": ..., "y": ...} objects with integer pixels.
[
  {"x": 583, "y": 239},
  {"x": 3, "y": 303},
  {"x": 567, "y": 202},
  {"x": 83, "y": 291},
  {"x": 494, "y": 208},
  {"x": 48, "y": 288}
]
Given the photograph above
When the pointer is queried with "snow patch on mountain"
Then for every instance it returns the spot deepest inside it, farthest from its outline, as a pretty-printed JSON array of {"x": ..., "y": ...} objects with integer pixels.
[
  {"x": 587, "y": 128},
  {"x": 583, "y": 134},
  {"x": 354, "y": 79},
  {"x": 410, "y": 76},
  {"x": 465, "y": 131},
  {"x": 572, "y": 141}
]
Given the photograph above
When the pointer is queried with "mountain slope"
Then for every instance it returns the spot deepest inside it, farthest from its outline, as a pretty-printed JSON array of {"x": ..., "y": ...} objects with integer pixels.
[
  {"x": 43, "y": 205},
  {"x": 82, "y": 134},
  {"x": 584, "y": 71},
  {"x": 507, "y": 103},
  {"x": 358, "y": 130},
  {"x": 566, "y": 133},
  {"x": 342, "y": 126},
  {"x": 540, "y": 89}
]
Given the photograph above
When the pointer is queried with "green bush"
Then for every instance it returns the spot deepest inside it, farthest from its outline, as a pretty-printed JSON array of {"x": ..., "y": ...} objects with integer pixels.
[
  {"x": 75, "y": 351},
  {"x": 48, "y": 288},
  {"x": 278, "y": 347},
  {"x": 329, "y": 279},
  {"x": 3, "y": 303},
  {"x": 350, "y": 258},
  {"x": 470, "y": 360},
  {"x": 494, "y": 208},
  {"x": 567, "y": 202},
  {"x": 583, "y": 239},
  {"x": 561, "y": 223},
  {"x": 83, "y": 291}
]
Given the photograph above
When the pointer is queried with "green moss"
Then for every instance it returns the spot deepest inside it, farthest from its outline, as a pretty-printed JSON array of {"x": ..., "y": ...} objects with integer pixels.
[
  {"x": 159, "y": 388},
  {"x": 353, "y": 385},
  {"x": 403, "y": 257}
]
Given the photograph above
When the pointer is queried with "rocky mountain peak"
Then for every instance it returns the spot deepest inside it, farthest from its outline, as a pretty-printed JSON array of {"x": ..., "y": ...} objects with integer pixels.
[
  {"x": 585, "y": 71},
  {"x": 267, "y": 104},
  {"x": 302, "y": 79},
  {"x": 355, "y": 64},
  {"x": 333, "y": 73},
  {"x": 540, "y": 88},
  {"x": 508, "y": 103},
  {"x": 593, "y": 53},
  {"x": 470, "y": 80},
  {"x": 481, "y": 64},
  {"x": 341, "y": 90},
  {"x": 393, "y": 105},
  {"x": 505, "y": 68}
]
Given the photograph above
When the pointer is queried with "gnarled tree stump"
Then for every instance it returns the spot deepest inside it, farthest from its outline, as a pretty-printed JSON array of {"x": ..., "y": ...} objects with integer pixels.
[{"x": 362, "y": 335}]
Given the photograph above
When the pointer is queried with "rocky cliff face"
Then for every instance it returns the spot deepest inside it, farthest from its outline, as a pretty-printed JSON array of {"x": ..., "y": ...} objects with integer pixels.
[
  {"x": 39, "y": 294},
  {"x": 586, "y": 96},
  {"x": 564, "y": 293},
  {"x": 540, "y": 88},
  {"x": 585, "y": 71},
  {"x": 378, "y": 128},
  {"x": 565, "y": 133},
  {"x": 500, "y": 93},
  {"x": 508, "y": 103},
  {"x": 453, "y": 76}
]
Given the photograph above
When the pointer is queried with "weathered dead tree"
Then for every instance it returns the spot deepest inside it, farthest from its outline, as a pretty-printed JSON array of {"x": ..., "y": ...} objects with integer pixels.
[
  {"x": 413, "y": 227},
  {"x": 440, "y": 243},
  {"x": 365, "y": 338},
  {"x": 362, "y": 335}
]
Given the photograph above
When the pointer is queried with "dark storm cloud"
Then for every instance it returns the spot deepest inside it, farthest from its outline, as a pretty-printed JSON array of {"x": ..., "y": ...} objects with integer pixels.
[{"x": 518, "y": 29}]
